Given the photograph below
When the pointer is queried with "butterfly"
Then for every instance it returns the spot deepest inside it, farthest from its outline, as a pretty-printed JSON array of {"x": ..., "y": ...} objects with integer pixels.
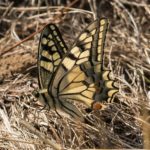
[{"x": 75, "y": 74}]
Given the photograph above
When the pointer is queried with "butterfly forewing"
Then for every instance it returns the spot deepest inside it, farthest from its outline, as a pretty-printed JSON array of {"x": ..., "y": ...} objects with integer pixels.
[{"x": 51, "y": 50}]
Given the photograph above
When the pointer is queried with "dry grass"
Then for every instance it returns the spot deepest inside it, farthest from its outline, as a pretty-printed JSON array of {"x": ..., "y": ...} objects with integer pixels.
[{"x": 124, "y": 124}]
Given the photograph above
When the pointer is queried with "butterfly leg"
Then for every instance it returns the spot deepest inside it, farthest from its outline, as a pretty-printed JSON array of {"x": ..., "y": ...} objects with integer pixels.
[{"x": 37, "y": 93}]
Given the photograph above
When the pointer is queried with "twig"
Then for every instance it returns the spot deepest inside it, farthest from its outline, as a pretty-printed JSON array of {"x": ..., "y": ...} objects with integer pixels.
[
  {"x": 41, "y": 135},
  {"x": 20, "y": 42},
  {"x": 134, "y": 3},
  {"x": 21, "y": 141}
]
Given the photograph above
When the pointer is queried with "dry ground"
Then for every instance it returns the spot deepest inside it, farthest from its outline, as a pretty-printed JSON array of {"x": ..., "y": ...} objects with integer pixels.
[{"x": 124, "y": 124}]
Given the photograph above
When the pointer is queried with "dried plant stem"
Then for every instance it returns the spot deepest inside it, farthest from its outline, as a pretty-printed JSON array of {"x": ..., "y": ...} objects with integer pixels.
[{"x": 40, "y": 135}]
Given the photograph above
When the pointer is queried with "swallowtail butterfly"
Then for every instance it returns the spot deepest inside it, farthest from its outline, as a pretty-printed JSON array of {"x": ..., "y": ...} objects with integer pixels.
[{"x": 75, "y": 74}]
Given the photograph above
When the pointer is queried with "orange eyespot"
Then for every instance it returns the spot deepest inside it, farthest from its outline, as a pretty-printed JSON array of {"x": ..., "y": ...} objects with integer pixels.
[{"x": 97, "y": 106}]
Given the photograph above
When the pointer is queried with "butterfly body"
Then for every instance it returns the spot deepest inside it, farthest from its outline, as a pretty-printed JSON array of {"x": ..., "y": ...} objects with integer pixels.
[{"x": 76, "y": 74}]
